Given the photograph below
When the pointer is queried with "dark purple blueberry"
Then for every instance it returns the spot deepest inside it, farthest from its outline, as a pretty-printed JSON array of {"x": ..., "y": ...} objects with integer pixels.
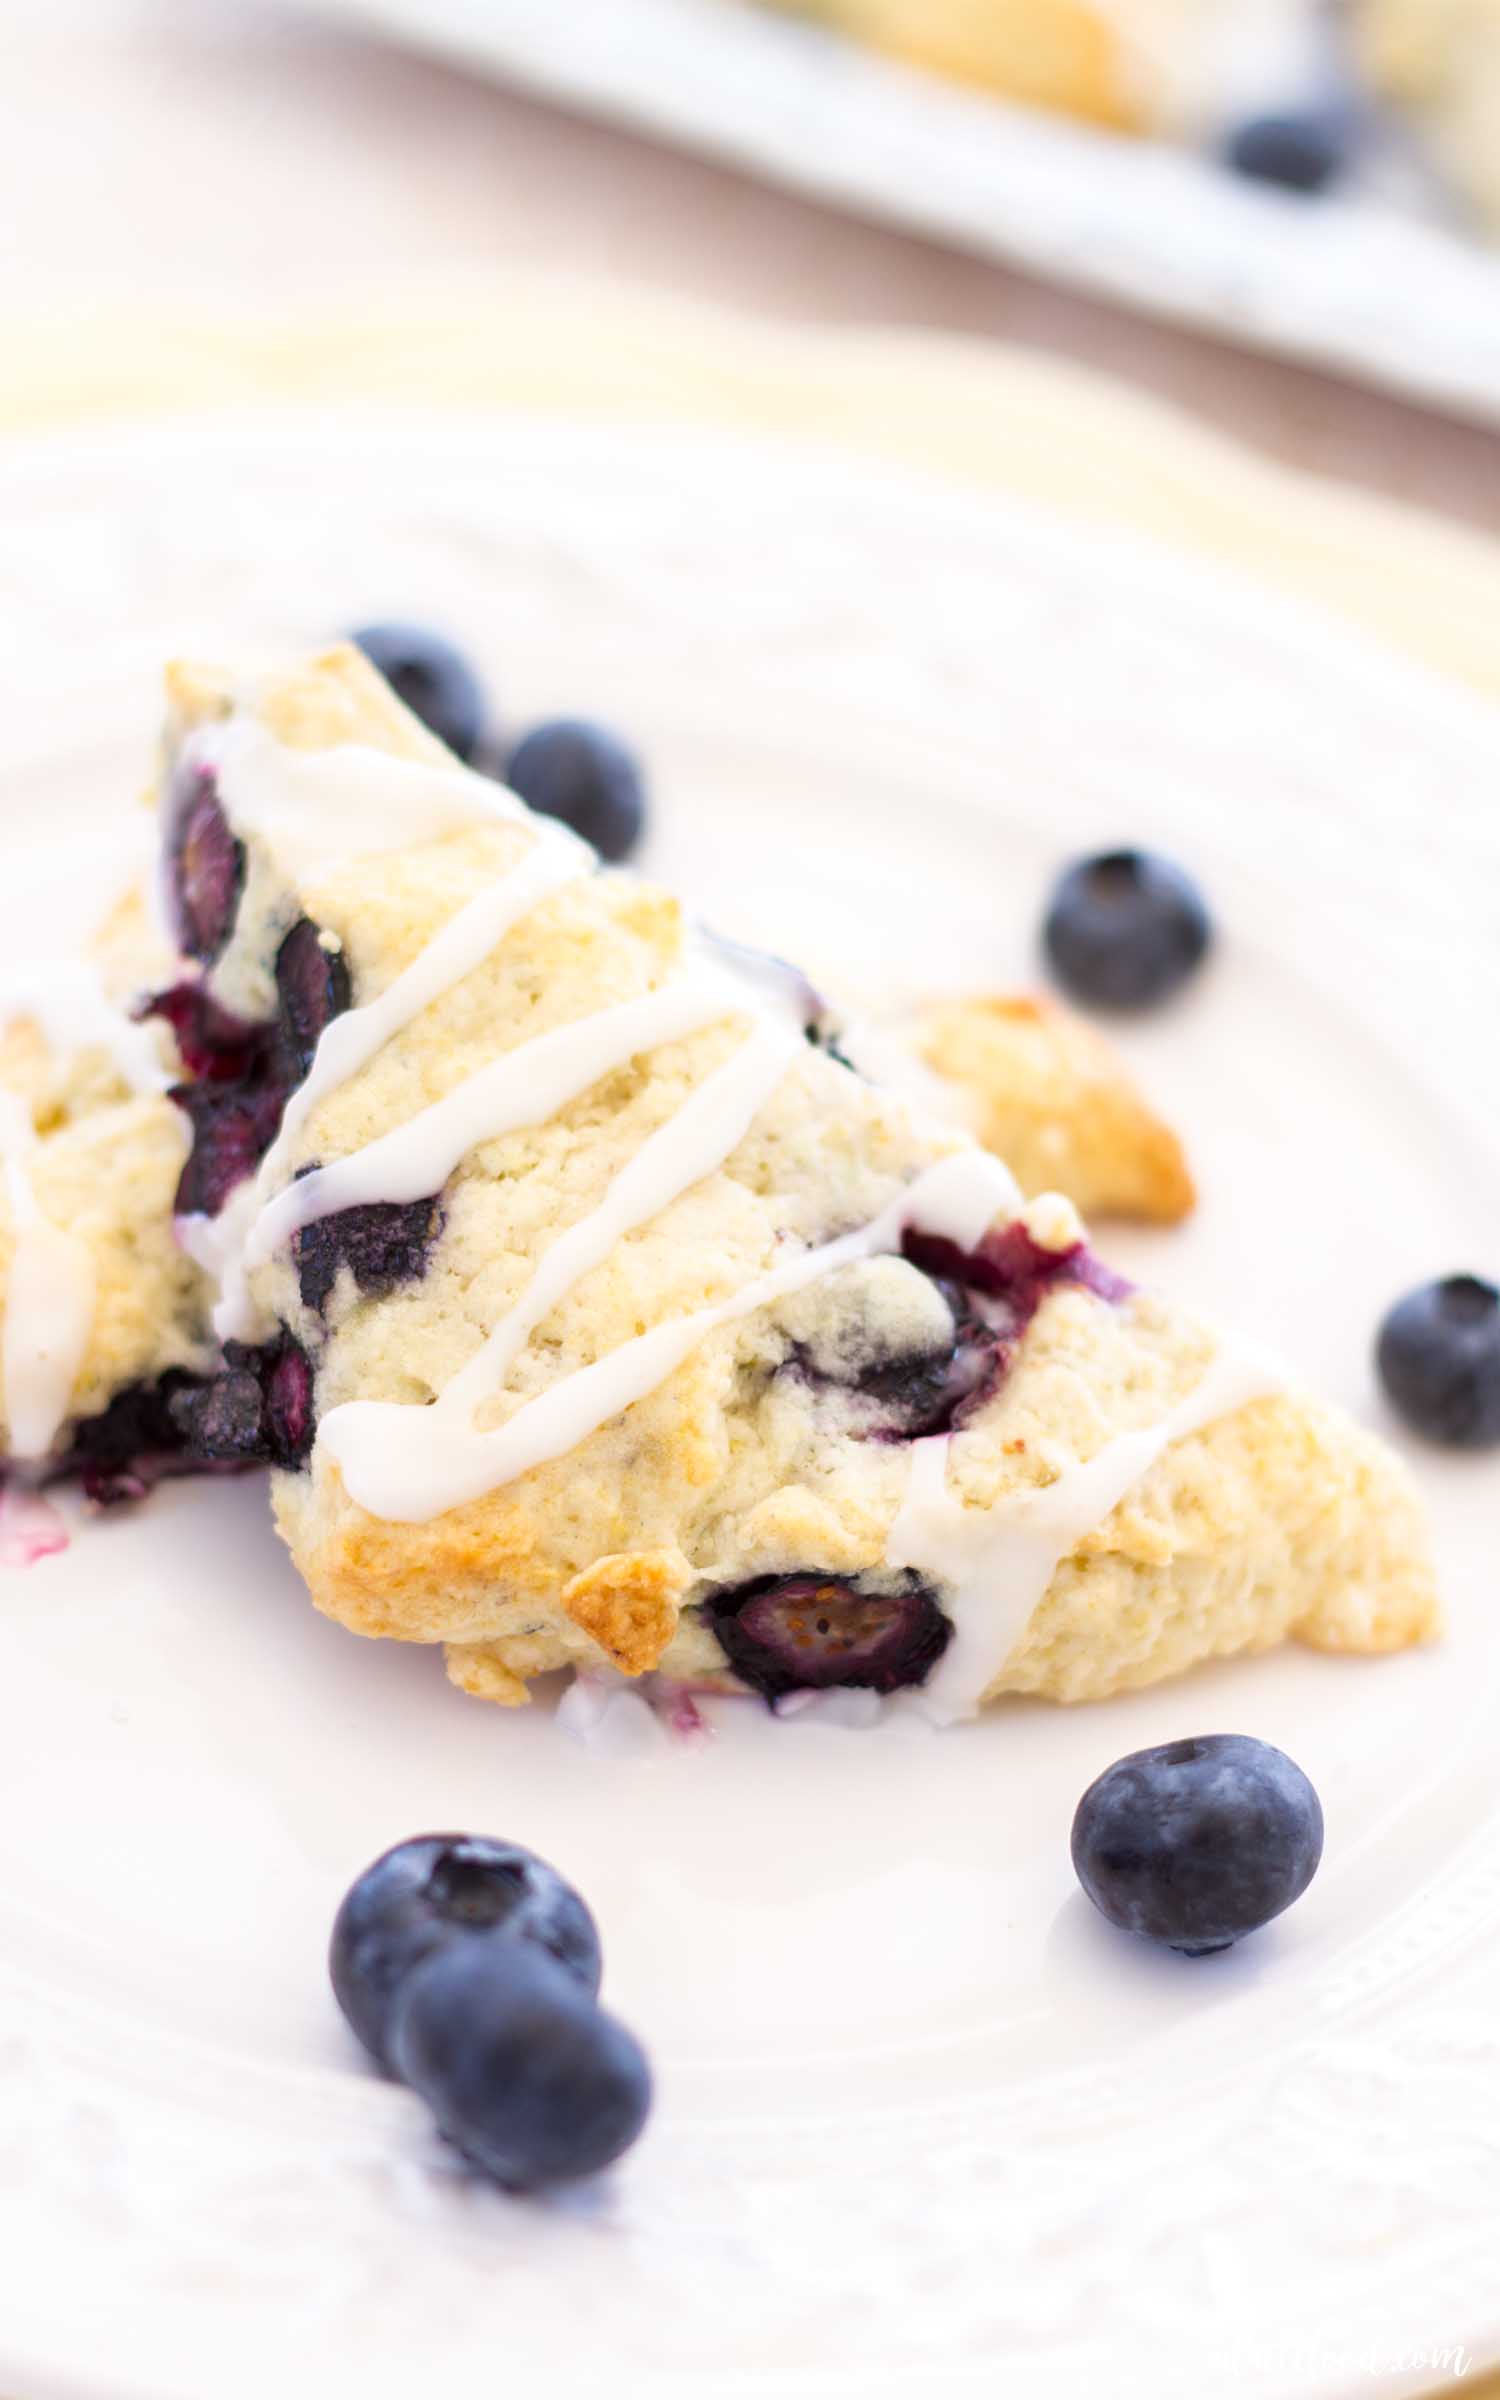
[
  {"x": 1195, "y": 1844},
  {"x": 215, "y": 1045},
  {"x": 923, "y": 1392},
  {"x": 383, "y": 1243},
  {"x": 585, "y": 775},
  {"x": 1298, "y": 150},
  {"x": 434, "y": 679},
  {"x": 1125, "y": 929},
  {"x": 439, "y": 1888},
  {"x": 234, "y": 1125},
  {"x": 223, "y": 1421},
  {"x": 1439, "y": 1360},
  {"x": 132, "y": 1445},
  {"x": 287, "y": 1383},
  {"x": 312, "y": 988},
  {"x": 523, "y": 2072},
  {"x": 205, "y": 870},
  {"x": 793, "y": 1633}
]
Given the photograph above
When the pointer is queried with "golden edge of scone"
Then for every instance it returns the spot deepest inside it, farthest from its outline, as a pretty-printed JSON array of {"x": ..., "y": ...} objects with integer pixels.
[{"x": 1052, "y": 1097}]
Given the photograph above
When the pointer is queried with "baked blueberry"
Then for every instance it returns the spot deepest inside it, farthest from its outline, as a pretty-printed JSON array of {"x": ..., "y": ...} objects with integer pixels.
[
  {"x": 234, "y": 1125},
  {"x": 287, "y": 1389},
  {"x": 1195, "y": 1844},
  {"x": 216, "y": 1047},
  {"x": 222, "y": 1423},
  {"x": 312, "y": 988},
  {"x": 205, "y": 870},
  {"x": 1439, "y": 1360},
  {"x": 383, "y": 1243},
  {"x": 440, "y": 1888},
  {"x": 1125, "y": 929},
  {"x": 793, "y": 1633},
  {"x": 434, "y": 679},
  {"x": 1300, "y": 150},
  {"x": 531, "y": 2080},
  {"x": 585, "y": 775}
]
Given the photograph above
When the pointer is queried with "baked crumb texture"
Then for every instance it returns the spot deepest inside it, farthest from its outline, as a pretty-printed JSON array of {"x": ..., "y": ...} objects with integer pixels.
[
  {"x": 104, "y": 1169},
  {"x": 753, "y": 1458},
  {"x": 1053, "y": 1098}
]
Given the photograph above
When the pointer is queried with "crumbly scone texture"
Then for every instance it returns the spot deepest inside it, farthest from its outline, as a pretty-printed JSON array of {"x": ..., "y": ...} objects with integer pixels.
[
  {"x": 1111, "y": 62},
  {"x": 742, "y": 1463},
  {"x": 1053, "y": 1098},
  {"x": 1439, "y": 60},
  {"x": 105, "y": 1169}
]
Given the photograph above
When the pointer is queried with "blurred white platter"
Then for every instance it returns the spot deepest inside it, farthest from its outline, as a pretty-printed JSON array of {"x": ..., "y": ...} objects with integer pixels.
[
  {"x": 925, "y": 2125},
  {"x": 1353, "y": 284}
]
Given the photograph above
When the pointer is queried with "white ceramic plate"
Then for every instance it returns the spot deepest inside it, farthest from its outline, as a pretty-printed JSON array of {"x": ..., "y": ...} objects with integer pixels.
[
  {"x": 1383, "y": 284},
  {"x": 925, "y": 2125}
]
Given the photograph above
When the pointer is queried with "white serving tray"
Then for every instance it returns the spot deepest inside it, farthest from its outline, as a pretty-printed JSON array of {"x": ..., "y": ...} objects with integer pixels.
[{"x": 1354, "y": 284}]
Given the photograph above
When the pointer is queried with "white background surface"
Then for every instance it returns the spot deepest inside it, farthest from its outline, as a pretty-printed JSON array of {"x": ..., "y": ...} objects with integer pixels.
[
  {"x": 924, "y": 2123},
  {"x": 223, "y": 153}
]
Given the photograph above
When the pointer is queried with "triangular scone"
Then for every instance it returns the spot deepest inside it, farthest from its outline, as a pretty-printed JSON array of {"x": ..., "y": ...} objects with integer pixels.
[
  {"x": 1052, "y": 1098},
  {"x": 104, "y": 1316},
  {"x": 601, "y": 1315}
]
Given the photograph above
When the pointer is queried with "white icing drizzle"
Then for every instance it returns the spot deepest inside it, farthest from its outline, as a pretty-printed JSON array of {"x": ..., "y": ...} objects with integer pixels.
[
  {"x": 993, "y": 1566},
  {"x": 412, "y": 1464},
  {"x": 524, "y": 1086},
  {"x": 49, "y": 1312},
  {"x": 315, "y": 821},
  {"x": 698, "y": 1138},
  {"x": 68, "y": 1002},
  {"x": 556, "y": 858}
]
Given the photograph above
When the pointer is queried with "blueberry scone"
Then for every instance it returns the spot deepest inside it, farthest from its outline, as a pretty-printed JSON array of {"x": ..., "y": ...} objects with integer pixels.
[
  {"x": 1047, "y": 1094},
  {"x": 103, "y": 1317},
  {"x": 594, "y": 1311},
  {"x": 1133, "y": 65},
  {"x": 1439, "y": 62}
]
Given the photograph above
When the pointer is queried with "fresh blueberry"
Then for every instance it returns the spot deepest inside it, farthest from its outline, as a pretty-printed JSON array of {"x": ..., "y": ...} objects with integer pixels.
[
  {"x": 383, "y": 1243},
  {"x": 205, "y": 869},
  {"x": 444, "y": 1887},
  {"x": 1125, "y": 929},
  {"x": 1439, "y": 1359},
  {"x": 1194, "y": 1844},
  {"x": 523, "y": 2072},
  {"x": 791, "y": 1633},
  {"x": 434, "y": 679},
  {"x": 585, "y": 775},
  {"x": 312, "y": 988},
  {"x": 1300, "y": 150}
]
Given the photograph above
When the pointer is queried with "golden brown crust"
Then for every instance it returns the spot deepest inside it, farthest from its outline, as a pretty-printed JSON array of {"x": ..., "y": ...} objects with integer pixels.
[
  {"x": 1049, "y": 1095},
  {"x": 1058, "y": 54}
]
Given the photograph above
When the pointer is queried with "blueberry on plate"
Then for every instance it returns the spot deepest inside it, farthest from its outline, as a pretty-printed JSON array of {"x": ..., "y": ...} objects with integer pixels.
[
  {"x": 1299, "y": 150},
  {"x": 531, "y": 2080},
  {"x": 1439, "y": 1360},
  {"x": 441, "y": 1888},
  {"x": 434, "y": 679},
  {"x": 1195, "y": 1844},
  {"x": 585, "y": 775},
  {"x": 1125, "y": 929}
]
